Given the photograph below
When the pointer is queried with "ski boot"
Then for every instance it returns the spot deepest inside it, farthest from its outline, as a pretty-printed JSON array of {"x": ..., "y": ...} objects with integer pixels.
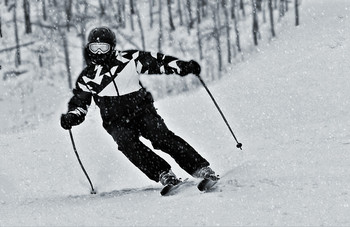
[
  {"x": 209, "y": 178},
  {"x": 170, "y": 182}
]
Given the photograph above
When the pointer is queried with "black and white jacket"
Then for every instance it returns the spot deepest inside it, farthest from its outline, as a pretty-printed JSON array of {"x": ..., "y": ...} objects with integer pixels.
[{"x": 115, "y": 85}]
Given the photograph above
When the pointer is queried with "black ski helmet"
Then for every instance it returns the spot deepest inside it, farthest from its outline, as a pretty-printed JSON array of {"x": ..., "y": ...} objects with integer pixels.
[{"x": 101, "y": 35}]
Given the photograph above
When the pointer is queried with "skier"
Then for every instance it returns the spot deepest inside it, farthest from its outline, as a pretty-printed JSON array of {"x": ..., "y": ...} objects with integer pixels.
[{"x": 112, "y": 79}]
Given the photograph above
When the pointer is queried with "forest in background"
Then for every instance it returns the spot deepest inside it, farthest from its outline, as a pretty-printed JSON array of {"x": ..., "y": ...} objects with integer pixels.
[{"x": 47, "y": 36}]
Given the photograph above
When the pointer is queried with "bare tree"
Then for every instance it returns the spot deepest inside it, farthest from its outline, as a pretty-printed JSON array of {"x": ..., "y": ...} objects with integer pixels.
[
  {"x": 0, "y": 27},
  {"x": 67, "y": 59},
  {"x": 102, "y": 7},
  {"x": 171, "y": 23},
  {"x": 296, "y": 6},
  {"x": 241, "y": 5},
  {"x": 68, "y": 11},
  {"x": 189, "y": 8},
  {"x": 228, "y": 30},
  {"x": 199, "y": 37},
  {"x": 271, "y": 18},
  {"x": 160, "y": 37},
  {"x": 255, "y": 23},
  {"x": 151, "y": 13},
  {"x": 282, "y": 8},
  {"x": 132, "y": 13},
  {"x": 216, "y": 34},
  {"x": 179, "y": 10},
  {"x": 198, "y": 11},
  {"x": 233, "y": 15},
  {"x": 121, "y": 13},
  {"x": 13, "y": 7},
  {"x": 139, "y": 21},
  {"x": 43, "y": 2},
  {"x": 204, "y": 7},
  {"x": 82, "y": 17},
  {"x": 26, "y": 9}
]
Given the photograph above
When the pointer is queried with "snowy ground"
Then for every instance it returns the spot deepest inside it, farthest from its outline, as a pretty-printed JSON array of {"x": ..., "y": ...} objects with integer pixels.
[{"x": 288, "y": 105}]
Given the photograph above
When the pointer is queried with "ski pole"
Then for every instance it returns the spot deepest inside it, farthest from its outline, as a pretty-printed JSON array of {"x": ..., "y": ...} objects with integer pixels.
[
  {"x": 239, "y": 145},
  {"x": 81, "y": 164}
]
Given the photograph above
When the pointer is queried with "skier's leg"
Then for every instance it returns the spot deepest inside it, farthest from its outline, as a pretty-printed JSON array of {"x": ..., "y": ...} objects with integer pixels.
[
  {"x": 154, "y": 129},
  {"x": 139, "y": 154}
]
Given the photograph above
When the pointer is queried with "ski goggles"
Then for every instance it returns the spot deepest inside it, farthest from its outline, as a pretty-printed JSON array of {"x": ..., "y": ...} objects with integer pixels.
[{"x": 99, "y": 48}]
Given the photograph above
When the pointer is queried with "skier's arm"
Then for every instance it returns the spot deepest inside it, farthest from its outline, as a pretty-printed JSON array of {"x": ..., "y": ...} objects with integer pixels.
[
  {"x": 157, "y": 63},
  {"x": 77, "y": 106}
]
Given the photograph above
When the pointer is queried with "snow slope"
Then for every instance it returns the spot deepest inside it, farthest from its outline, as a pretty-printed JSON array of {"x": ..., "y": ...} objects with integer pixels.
[{"x": 288, "y": 105}]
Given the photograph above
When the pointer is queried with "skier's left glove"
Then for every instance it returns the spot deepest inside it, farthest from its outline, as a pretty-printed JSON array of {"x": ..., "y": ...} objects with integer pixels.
[{"x": 70, "y": 119}]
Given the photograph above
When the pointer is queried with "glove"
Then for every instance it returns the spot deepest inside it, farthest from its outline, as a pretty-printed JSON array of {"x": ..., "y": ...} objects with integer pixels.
[
  {"x": 69, "y": 119},
  {"x": 193, "y": 67}
]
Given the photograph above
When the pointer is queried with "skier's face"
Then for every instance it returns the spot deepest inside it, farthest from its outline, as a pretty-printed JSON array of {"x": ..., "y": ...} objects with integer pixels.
[
  {"x": 99, "y": 48},
  {"x": 99, "y": 52}
]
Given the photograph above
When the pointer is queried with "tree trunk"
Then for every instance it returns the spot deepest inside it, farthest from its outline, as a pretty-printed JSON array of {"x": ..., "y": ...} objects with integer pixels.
[
  {"x": 28, "y": 24},
  {"x": 255, "y": 23},
  {"x": 199, "y": 38},
  {"x": 271, "y": 18},
  {"x": 0, "y": 27},
  {"x": 258, "y": 5},
  {"x": 82, "y": 25},
  {"x": 150, "y": 13},
  {"x": 68, "y": 10},
  {"x": 242, "y": 7},
  {"x": 44, "y": 9},
  {"x": 18, "y": 50},
  {"x": 204, "y": 7},
  {"x": 171, "y": 23},
  {"x": 132, "y": 12},
  {"x": 296, "y": 13},
  {"x": 180, "y": 12},
  {"x": 228, "y": 30},
  {"x": 67, "y": 60},
  {"x": 217, "y": 36},
  {"x": 263, "y": 8},
  {"x": 198, "y": 11},
  {"x": 102, "y": 7},
  {"x": 233, "y": 11},
  {"x": 121, "y": 13},
  {"x": 160, "y": 37},
  {"x": 189, "y": 8},
  {"x": 139, "y": 21},
  {"x": 282, "y": 10}
]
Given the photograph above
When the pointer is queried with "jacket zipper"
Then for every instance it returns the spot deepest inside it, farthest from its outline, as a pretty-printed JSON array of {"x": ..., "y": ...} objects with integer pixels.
[{"x": 116, "y": 87}]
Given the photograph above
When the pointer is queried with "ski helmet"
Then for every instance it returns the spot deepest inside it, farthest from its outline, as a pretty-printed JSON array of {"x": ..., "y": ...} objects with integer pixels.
[{"x": 101, "y": 43}]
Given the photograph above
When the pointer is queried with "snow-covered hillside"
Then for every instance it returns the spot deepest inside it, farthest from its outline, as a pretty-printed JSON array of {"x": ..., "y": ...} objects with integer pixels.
[{"x": 289, "y": 106}]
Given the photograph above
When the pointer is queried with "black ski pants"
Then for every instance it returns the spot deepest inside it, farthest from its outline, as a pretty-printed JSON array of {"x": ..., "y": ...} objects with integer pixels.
[{"x": 151, "y": 126}]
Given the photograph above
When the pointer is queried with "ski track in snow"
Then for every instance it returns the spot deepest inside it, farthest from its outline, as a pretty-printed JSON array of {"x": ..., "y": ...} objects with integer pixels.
[{"x": 288, "y": 105}]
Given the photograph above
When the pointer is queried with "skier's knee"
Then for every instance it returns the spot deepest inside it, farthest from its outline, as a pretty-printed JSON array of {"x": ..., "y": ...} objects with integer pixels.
[{"x": 162, "y": 140}]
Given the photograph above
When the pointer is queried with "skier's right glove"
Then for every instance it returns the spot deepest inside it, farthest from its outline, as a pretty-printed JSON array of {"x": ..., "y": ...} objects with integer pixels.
[
  {"x": 189, "y": 67},
  {"x": 70, "y": 119},
  {"x": 194, "y": 67}
]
